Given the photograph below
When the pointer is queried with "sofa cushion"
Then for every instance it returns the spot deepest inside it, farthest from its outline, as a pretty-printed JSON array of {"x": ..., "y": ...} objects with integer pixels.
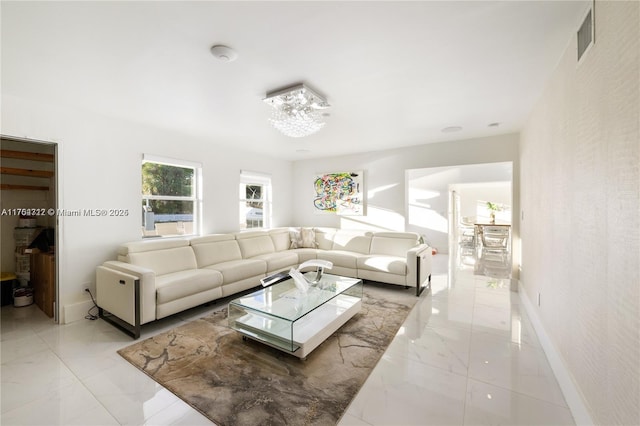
[
  {"x": 185, "y": 283},
  {"x": 305, "y": 254},
  {"x": 151, "y": 245},
  {"x": 345, "y": 259},
  {"x": 237, "y": 270},
  {"x": 381, "y": 263},
  {"x": 165, "y": 261},
  {"x": 353, "y": 241},
  {"x": 254, "y": 244},
  {"x": 324, "y": 238},
  {"x": 280, "y": 238},
  {"x": 279, "y": 261},
  {"x": 214, "y": 249},
  {"x": 393, "y": 243}
]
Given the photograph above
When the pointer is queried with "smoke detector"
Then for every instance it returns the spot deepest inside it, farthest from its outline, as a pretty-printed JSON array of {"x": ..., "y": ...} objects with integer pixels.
[{"x": 224, "y": 53}]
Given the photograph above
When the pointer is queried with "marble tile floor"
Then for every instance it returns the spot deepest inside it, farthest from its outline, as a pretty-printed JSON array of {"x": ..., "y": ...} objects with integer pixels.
[{"x": 466, "y": 355}]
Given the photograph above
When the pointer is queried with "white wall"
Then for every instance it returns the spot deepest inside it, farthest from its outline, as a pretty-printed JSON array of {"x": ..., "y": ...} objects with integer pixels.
[
  {"x": 384, "y": 182},
  {"x": 99, "y": 168},
  {"x": 580, "y": 157}
]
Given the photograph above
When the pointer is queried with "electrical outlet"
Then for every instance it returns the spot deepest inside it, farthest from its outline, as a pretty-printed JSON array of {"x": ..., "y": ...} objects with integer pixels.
[{"x": 86, "y": 288}]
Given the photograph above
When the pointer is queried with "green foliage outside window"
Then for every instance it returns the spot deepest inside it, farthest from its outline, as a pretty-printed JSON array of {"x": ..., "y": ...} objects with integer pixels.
[
  {"x": 160, "y": 179},
  {"x": 168, "y": 181}
]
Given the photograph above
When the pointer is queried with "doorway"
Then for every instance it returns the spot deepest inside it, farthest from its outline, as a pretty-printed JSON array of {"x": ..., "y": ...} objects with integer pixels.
[
  {"x": 29, "y": 206},
  {"x": 439, "y": 199},
  {"x": 480, "y": 236}
]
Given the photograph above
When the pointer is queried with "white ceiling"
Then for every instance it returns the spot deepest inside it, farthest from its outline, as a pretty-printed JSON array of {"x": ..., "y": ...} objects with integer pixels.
[{"x": 395, "y": 73}]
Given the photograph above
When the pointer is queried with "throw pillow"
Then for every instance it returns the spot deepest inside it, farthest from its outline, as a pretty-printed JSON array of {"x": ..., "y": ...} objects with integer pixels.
[
  {"x": 308, "y": 237},
  {"x": 296, "y": 238}
]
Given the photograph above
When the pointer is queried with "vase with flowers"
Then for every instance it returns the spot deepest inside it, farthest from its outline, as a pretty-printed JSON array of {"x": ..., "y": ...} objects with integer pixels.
[{"x": 493, "y": 208}]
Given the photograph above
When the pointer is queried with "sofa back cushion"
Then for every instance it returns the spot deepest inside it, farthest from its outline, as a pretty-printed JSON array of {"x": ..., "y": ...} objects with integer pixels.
[
  {"x": 355, "y": 241},
  {"x": 214, "y": 249},
  {"x": 393, "y": 243},
  {"x": 161, "y": 256},
  {"x": 324, "y": 238},
  {"x": 280, "y": 238},
  {"x": 254, "y": 243},
  {"x": 343, "y": 239}
]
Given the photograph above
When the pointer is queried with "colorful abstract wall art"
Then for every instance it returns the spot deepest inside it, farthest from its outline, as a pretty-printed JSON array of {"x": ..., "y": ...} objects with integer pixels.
[{"x": 339, "y": 193}]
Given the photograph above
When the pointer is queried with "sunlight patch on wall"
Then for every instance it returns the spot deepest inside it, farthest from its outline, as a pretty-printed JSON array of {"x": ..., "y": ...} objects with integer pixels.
[
  {"x": 372, "y": 193},
  {"x": 376, "y": 219},
  {"x": 420, "y": 197},
  {"x": 420, "y": 212},
  {"x": 427, "y": 218}
]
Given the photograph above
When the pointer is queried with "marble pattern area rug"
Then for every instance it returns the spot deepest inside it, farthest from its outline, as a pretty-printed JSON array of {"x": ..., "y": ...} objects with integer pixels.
[{"x": 236, "y": 382}]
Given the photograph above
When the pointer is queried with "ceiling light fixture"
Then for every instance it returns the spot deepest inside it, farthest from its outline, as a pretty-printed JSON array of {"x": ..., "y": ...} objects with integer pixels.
[
  {"x": 298, "y": 110},
  {"x": 451, "y": 129},
  {"x": 224, "y": 53}
]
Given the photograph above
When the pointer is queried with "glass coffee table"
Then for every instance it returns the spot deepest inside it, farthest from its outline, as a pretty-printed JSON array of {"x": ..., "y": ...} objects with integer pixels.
[{"x": 293, "y": 321}]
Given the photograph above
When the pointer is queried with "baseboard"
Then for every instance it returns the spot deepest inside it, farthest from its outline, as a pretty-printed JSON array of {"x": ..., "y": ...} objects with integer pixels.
[
  {"x": 76, "y": 311},
  {"x": 571, "y": 392}
]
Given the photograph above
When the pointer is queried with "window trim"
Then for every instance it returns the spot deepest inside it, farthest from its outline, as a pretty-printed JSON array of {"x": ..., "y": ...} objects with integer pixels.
[
  {"x": 196, "y": 198},
  {"x": 257, "y": 178}
]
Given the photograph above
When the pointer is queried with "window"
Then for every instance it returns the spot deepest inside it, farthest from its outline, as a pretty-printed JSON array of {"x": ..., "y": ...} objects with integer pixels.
[
  {"x": 170, "y": 197},
  {"x": 255, "y": 200}
]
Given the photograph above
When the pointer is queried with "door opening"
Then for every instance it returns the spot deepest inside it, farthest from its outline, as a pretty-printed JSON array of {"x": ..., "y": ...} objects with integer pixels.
[
  {"x": 29, "y": 223},
  {"x": 449, "y": 205}
]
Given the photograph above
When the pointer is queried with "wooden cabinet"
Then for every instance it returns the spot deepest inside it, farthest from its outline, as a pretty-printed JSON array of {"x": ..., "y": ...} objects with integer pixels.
[{"x": 43, "y": 281}]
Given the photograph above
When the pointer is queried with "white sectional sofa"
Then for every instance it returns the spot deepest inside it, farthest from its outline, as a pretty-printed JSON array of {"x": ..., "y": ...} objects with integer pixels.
[{"x": 154, "y": 278}]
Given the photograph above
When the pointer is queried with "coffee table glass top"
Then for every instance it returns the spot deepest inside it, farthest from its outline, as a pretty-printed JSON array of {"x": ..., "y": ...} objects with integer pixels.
[
  {"x": 284, "y": 300},
  {"x": 295, "y": 321}
]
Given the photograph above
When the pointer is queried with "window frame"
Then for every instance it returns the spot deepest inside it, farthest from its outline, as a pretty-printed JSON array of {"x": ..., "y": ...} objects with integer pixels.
[
  {"x": 257, "y": 179},
  {"x": 195, "y": 198}
]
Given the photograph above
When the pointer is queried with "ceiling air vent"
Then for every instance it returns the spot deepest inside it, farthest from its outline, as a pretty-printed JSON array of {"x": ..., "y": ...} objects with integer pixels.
[{"x": 585, "y": 34}]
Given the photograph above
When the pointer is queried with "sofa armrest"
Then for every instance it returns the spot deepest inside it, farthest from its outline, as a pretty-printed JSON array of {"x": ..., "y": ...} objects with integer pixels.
[
  {"x": 108, "y": 278},
  {"x": 119, "y": 299},
  {"x": 419, "y": 265}
]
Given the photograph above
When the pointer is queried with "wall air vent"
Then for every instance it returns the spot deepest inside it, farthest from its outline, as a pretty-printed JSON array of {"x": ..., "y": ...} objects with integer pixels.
[{"x": 585, "y": 34}]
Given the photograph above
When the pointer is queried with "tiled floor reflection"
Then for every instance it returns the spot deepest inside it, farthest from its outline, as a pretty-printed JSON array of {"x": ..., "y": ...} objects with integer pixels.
[{"x": 466, "y": 355}]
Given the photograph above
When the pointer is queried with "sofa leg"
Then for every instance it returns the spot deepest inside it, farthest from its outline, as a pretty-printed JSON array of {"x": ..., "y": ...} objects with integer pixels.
[{"x": 419, "y": 287}]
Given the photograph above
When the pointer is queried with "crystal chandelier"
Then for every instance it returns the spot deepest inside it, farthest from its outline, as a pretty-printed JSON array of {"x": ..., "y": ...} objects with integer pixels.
[{"x": 297, "y": 110}]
